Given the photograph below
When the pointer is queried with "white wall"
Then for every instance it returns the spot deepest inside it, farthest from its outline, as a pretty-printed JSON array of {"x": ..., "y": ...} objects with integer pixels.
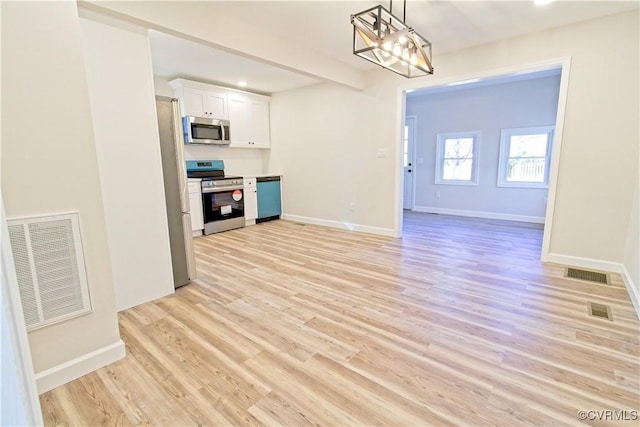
[
  {"x": 488, "y": 109},
  {"x": 126, "y": 133},
  {"x": 237, "y": 161},
  {"x": 161, "y": 86},
  {"x": 49, "y": 165},
  {"x": 325, "y": 138}
]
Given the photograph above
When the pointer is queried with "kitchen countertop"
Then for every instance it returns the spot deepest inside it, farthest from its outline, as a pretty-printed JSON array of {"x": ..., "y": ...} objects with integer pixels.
[
  {"x": 253, "y": 175},
  {"x": 260, "y": 175}
]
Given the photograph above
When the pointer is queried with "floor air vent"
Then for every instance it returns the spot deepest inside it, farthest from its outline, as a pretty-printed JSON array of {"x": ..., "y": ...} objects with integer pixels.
[
  {"x": 590, "y": 276},
  {"x": 47, "y": 253},
  {"x": 600, "y": 310}
]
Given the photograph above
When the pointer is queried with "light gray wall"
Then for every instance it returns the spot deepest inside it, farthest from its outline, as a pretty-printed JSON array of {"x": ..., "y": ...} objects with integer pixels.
[{"x": 487, "y": 109}]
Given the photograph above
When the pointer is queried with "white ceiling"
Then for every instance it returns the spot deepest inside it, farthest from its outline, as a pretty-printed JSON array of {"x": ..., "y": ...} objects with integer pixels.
[
  {"x": 324, "y": 26},
  {"x": 175, "y": 57}
]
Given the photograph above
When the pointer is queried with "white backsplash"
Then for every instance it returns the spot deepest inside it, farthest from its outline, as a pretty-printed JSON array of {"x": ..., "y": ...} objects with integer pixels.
[{"x": 237, "y": 161}]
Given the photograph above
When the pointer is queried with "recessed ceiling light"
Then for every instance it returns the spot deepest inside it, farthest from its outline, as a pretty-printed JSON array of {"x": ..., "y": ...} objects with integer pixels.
[
  {"x": 542, "y": 2},
  {"x": 242, "y": 83}
]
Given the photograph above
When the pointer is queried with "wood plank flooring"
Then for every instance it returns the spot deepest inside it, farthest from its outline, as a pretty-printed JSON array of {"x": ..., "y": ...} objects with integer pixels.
[{"x": 457, "y": 323}]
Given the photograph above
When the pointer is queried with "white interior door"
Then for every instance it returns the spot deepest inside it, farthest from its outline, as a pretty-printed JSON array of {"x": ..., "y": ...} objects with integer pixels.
[{"x": 408, "y": 143}]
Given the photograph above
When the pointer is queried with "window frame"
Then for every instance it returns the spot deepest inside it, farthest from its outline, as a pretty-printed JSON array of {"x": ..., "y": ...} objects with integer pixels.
[
  {"x": 440, "y": 150},
  {"x": 505, "y": 142}
]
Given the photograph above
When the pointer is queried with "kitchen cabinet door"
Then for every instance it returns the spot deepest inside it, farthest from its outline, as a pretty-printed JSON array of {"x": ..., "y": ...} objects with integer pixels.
[
  {"x": 218, "y": 108},
  {"x": 195, "y": 102},
  {"x": 249, "y": 119},
  {"x": 260, "y": 124},
  {"x": 200, "y": 103},
  {"x": 240, "y": 121},
  {"x": 195, "y": 205},
  {"x": 250, "y": 201}
]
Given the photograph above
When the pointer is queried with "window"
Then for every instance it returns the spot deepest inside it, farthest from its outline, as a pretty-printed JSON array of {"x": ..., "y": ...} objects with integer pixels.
[
  {"x": 456, "y": 158},
  {"x": 525, "y": 157}
]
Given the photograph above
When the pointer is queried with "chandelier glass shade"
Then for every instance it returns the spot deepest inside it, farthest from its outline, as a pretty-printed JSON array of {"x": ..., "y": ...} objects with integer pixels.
[{"x": 380, "y": 37}]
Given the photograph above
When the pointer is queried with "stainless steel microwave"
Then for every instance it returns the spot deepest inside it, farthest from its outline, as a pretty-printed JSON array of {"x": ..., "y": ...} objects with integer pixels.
[{"x": 203, "y": 130}]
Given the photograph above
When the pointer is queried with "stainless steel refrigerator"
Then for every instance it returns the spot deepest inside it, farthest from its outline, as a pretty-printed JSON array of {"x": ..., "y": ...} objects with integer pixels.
[{"x": 175, "y": 189}]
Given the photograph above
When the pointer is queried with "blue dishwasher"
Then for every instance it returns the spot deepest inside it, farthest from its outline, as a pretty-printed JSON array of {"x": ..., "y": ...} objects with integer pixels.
[{"x": 269, "y": 205}]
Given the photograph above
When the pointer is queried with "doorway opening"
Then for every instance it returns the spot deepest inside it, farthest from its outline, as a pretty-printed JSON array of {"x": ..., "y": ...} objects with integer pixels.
[{"x": 512, "y": 155}]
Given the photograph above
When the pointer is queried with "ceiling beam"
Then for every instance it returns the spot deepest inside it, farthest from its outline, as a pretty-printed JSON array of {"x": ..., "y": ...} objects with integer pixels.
[{"x": 205, "y": 23}]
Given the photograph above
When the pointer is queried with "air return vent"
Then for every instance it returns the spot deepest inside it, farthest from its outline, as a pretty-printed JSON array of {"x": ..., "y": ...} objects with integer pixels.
[
  {"x": 600, "y": 310},
  {"x": 590, "y": 276},
  {"x": 47, "y": 253}
]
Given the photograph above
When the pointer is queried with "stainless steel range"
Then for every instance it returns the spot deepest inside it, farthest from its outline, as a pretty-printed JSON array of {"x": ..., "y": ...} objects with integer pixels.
[{"x": 222, "y": 196}]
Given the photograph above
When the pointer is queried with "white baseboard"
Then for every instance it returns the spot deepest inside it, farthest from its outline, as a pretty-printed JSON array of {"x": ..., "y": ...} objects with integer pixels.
[
  {"x": 590, "y": 263},
  {"x": 69, "y": 371},
  {"x": 480, "y": 214},
  {"x": 341, "y": 225},
  {"x": 632, "y": 288},
  {"x": 607, "y": 266}
]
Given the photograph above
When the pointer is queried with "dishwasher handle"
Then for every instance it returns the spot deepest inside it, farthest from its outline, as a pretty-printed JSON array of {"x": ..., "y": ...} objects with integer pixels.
[{"x": 267, "y": 178}]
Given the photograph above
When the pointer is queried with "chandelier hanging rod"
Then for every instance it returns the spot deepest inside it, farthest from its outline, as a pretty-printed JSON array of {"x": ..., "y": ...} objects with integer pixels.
[{"x": 404, "y": 9}]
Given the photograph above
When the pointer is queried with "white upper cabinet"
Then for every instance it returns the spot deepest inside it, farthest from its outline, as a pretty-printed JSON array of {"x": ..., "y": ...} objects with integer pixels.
[
  {"x": 248, "y": 113},
  {"x": 200, "y": 103},
  {"x": 249, "y": 118}
]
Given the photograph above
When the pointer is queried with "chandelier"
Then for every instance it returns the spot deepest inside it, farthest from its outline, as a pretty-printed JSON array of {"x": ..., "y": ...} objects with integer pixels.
[{"x": 380, "y": 37}]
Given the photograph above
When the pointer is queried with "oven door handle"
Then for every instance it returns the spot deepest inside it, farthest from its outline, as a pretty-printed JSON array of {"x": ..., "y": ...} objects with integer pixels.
[{"x": 221, "y": 189}]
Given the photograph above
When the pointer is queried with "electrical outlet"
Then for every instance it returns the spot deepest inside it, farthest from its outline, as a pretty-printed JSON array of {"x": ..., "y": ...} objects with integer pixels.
[
  {"x": 382, "y": 152},
  {"x": 437, "y": 194}
]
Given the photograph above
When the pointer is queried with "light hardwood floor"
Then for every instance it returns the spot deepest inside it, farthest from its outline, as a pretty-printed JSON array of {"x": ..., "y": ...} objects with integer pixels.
[{"x": 457, "y": 323}]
